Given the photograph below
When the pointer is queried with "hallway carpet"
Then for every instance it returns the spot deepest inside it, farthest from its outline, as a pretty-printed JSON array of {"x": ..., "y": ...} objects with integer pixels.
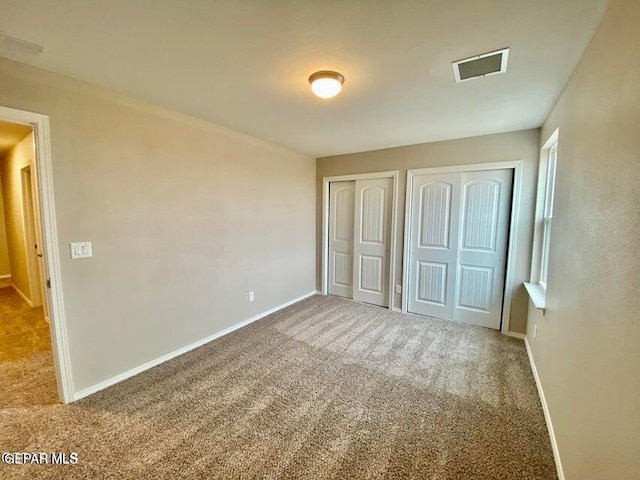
[
  {"x": 23, "y": 330},
  {"x": 326, "y": 388},
  {"x": 27, "y": 375}
]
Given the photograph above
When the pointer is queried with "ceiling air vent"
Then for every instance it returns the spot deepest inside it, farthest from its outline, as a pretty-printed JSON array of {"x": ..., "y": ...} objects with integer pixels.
[
  {"x": 480, "y": 66},
  {"x": 15, "y": 45}
]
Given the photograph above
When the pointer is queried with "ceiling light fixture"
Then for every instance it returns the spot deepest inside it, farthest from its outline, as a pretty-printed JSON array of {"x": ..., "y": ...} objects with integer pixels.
[{"x": 326, "y": 84}]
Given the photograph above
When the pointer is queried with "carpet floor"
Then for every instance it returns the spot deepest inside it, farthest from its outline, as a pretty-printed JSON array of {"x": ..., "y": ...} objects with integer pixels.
[
  {"x": 27, "y": 374},
  {"x": 326, "y": 388},
  {"x": 23, "y": 330}
]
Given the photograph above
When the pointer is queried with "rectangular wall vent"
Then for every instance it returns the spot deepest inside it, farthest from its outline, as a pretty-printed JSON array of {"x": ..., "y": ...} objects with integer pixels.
[
  {"x": 18, "y": 46},
  {"x": 479, "y": 66}
]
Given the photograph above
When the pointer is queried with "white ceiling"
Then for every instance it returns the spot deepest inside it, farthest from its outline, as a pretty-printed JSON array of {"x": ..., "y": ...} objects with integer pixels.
[
  {"x": 245, "y": 64},
  {"x": 11, "y": 134}
]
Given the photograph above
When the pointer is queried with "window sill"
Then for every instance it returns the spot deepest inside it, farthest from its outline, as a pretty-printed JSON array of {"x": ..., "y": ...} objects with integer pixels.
[{"x": 537, "y": 294}]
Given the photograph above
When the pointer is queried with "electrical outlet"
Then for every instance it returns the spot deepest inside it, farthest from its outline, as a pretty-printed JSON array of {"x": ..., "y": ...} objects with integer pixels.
[
  {"x": 251, "y": 296},
  {"x": 398, "y": 288},
  {"x": 535, "y": 332}
]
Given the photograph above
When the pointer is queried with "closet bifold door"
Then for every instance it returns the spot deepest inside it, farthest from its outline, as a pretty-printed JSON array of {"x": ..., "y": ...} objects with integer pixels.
[
  {"x": 372, "y": 239},
  {"x": 458, "y": 245},
  {"x": 341, "y": 223},
  {"x": 435, "y": 220},
  {"x": 482, "y": 249}
]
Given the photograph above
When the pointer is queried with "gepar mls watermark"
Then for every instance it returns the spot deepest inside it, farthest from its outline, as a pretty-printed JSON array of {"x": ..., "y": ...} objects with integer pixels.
[{"x": 40, "y": 458}]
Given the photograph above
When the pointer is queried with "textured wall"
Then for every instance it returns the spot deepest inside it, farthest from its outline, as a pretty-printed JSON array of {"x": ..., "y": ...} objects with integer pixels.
[
  {"x": 522, "y": 145},
  {"x": 586, "y": 350},
  {"x": 185, "y": 218}
]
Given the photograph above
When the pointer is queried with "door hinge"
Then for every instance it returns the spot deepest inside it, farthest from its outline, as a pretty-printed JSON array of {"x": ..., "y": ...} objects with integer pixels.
[{"x": 48, "y": 282}]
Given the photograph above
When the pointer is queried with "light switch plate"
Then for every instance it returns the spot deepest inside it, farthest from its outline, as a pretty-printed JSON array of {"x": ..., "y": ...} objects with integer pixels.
[{"x": 81, "y": 250}]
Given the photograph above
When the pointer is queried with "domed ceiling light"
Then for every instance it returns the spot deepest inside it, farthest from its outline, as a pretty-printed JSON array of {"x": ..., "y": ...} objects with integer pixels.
[{"x": 326, "y": 84}]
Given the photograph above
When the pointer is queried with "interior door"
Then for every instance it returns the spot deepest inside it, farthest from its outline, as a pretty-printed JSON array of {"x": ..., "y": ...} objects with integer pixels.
[
  {"x": 434, "y": 229},
  {"x": 373, "y": 203},
  {"x": 31, "y": 241},
  {"x": 482, "y": 251},
  {"x": 341, "y": 223},
  {"x": 39, "y": 245}
]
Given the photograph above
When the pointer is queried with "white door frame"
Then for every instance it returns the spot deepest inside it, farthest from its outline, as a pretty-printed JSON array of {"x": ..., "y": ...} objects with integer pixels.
[
  {"x": 509, "y": 284},
  {"x": 325, "y": 224},
  {"x": 42, "y": 169}
]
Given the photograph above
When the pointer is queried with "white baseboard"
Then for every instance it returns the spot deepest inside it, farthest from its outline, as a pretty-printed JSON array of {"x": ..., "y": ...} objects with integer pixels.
[
  {"x": 521, "y": 336},
  {"x": 24, "y": 297},
  {"x": 157, "y": 361},
  {"x": 545, "y": 409}
]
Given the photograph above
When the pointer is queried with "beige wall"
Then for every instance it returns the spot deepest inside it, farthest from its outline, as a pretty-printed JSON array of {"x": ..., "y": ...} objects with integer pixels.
[
  {"x": 19, "y": 157},
  {"x": 5, "y": 265},
  {"x": 587, "y": 347},
  {"x": 522, "y": 145},
  {"x": 185, "y": 218}
]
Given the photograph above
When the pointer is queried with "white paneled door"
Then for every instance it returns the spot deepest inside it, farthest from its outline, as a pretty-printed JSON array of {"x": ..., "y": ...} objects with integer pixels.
[
  {"x": 341, "y": 223},
  {"x": 359, "y": 239},
  {"x": 372, "y": 238},
  {"x": 434, "y": 244},
  {"x": 458, "y": 245}
]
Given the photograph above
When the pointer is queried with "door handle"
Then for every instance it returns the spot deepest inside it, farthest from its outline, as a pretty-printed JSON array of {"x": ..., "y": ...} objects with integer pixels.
[{"x": 40, "y": 255}]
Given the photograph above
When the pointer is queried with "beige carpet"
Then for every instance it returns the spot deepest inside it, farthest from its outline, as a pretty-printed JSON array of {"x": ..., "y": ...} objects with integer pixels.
[
  {"x": 27, "y": 375},
  {"x": 23, "y": 330},
  {"x": 326, "y": 388}
]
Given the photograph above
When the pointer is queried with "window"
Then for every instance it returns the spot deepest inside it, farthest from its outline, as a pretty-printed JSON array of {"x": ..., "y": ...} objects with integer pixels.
[
  {"x": 549, "y": 190},
  {"x": 537, "y": 288}
]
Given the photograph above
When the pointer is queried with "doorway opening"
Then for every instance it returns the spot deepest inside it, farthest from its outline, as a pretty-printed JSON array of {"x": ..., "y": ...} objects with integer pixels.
[
  {"x": 25, "y": 339},
  {"x": 34, "y": 361}
]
